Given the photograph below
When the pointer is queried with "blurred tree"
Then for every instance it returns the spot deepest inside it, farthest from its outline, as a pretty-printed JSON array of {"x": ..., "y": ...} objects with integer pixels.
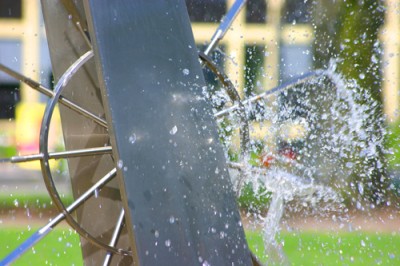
[{"x": 347, "y": 30}]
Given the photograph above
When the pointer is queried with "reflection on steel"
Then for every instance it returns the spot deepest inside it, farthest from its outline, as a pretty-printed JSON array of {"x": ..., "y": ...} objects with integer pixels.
[
  {"x": 80, "y": 24},
  {"x": 225, "y": 24},
  {"x": 60, "y": 155},
  {"x": 114, "y": 238},
  {"x": 67, "y": 41},
  {"x": 175, "y": 195},
  {"x": 173, "y": 178},
  {"x": 37, "y": 236}
]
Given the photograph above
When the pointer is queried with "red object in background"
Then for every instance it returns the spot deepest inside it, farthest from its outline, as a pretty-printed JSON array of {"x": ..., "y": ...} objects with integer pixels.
[
  {"x": 268, "y": 160},
  {"x": 288, "y": 153}
]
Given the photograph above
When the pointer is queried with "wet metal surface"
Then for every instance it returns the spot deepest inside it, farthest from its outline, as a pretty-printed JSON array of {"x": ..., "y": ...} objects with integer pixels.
[{"x": 174, "y": 181}]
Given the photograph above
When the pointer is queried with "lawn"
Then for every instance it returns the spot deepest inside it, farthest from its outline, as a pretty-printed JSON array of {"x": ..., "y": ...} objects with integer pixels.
[
  {"x": 61, "y": 247},
  {"x": 335, "y": 248}
]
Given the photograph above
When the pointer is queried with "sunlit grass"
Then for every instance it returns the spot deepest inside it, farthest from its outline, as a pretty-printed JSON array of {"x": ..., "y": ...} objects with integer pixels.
[
  {"x": 61, "y": 247},
  {"x": 335, "y": 248},
  {"x": 34, "y": 201}
]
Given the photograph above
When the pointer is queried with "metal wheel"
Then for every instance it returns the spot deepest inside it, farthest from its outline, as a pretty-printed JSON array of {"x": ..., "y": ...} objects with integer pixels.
[
  {"x": 89, "y": 158},
  {"x": 104, "y": 242},
  {"x": 88, "y": 149}
]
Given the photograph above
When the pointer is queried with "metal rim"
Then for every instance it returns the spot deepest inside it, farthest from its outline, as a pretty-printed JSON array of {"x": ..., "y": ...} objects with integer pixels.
[
  {"x": 235, "y": 98},
  {"x": 44, "y": 161}
]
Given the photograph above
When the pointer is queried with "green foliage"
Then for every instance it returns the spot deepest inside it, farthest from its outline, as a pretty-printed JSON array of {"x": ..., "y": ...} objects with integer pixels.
[
  {"x": 251, "y": 200},
  {"x": 393, "y": 144},
  {"x": 349, "y": 31},
  {"x": 7, "y": 151}
]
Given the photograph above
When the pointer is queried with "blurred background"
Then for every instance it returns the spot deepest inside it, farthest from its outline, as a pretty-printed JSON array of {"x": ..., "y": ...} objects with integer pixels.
[{"x": 271, "y": 42}]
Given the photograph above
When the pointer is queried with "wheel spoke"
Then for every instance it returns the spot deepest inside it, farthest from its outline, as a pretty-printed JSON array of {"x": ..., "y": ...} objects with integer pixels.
[
  {"x": 43, "y": 148},
  {"x": 224, "y": 25},
  {"x": 37, "y": 236},
  {"x": 40, "y": 88},
  {"x": 114, "y": 238},
  {"x": 286, "y": 86},
  {"x": 59, "y": 155},
  {"x": 80, "y": 24}
]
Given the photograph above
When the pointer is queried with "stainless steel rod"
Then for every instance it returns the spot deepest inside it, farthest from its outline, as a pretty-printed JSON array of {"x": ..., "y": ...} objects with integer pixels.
[
  {"x": 40, "y": 88},
  {"x": 225, "y": 24},
  {"x": 300, "y": 80},
  {"x": 114, "y": 238},
  {"x": 59, "y": 155}
]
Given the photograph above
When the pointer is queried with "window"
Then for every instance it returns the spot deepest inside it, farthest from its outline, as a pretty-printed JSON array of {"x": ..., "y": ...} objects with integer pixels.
[
  {"x": 10, "y": 9},
  {"x": 206, "y": 10},
  {"x": 295, "y": 11},
  {"x": 256, "y": 11},
  {"x": 10, "y": 55},
  {"x": 9, "y": 97},
  {"x": 254, "y": 70},
  {"x": 295, "y": 60}
]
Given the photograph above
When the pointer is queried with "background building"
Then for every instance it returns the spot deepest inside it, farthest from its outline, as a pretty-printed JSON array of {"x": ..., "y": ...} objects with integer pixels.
[{"x": 271, "y": 42}]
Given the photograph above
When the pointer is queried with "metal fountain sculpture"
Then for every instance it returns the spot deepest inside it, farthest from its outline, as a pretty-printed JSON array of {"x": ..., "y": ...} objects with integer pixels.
[{"x": 141, "y": 140}]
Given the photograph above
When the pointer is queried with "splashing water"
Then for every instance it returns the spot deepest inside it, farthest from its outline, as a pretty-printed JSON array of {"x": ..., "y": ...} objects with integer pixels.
[
  {"x": 328, "y": 155},
  {"x": 336, "y": 135}
]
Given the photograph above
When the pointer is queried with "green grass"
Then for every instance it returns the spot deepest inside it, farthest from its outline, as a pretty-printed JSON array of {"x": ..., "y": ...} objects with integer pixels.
[
  {"x": 61, "y": 247},
  {"x": 7, "y": 151},
  {"x": 32, "y": 201},
  {"x": 340, "y": 248}
]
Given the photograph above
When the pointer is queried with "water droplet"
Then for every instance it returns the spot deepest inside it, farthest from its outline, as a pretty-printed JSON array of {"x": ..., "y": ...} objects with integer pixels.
[
  {"x": 132, "y": 138},
  {"x": 362, "y": 243},
  {"x": 16, "y": 203},
  {"x": 173, "y": 130},
  {"x": 360, "y": 188},
  {"x": 185, "y": 71},
  {"x": 167, "y": 243},
  {"x": 120, "y": 164},
  {"x": 156, "y": 233},
  {"x": 171, "y": 219}
]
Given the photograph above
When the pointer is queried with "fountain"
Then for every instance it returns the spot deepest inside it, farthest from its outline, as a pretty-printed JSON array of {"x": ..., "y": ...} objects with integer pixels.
[{"x": 160, "y": 184}]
